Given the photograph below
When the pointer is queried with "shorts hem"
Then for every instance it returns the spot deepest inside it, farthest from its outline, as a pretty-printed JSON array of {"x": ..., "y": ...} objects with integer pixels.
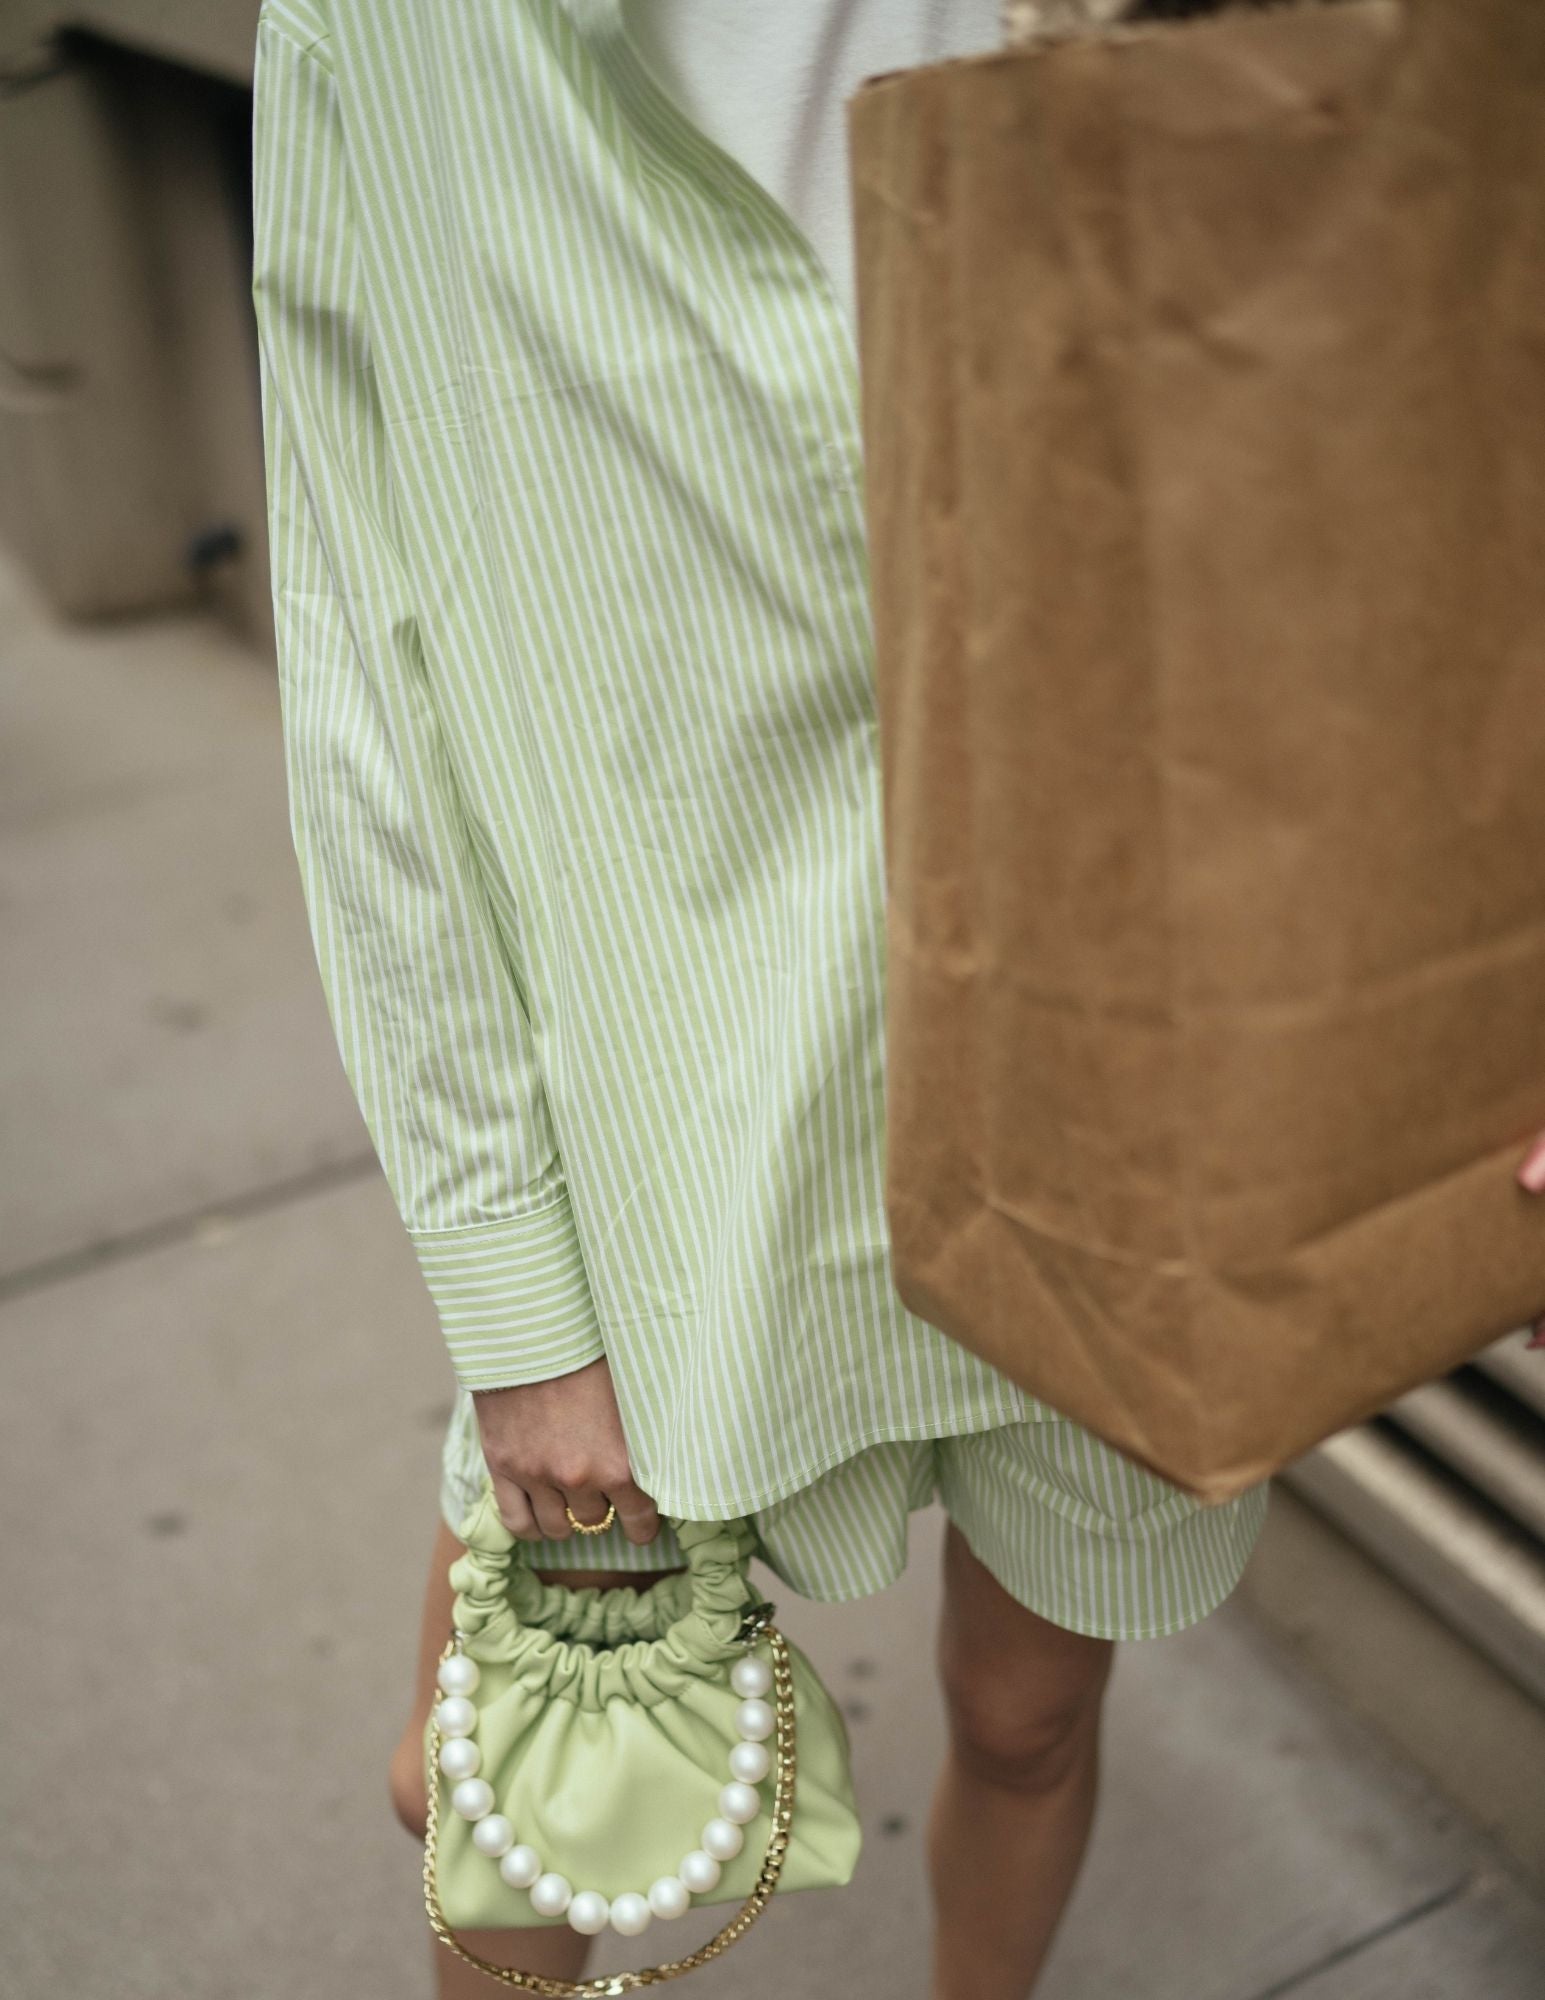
[
  {"x": 1104, "y": 1559},
  {"x": 1072, "y": 1618}
]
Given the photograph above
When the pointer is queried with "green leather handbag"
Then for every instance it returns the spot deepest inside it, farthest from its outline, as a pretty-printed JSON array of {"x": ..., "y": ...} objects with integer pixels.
[{"x": 609, "y": 1758}]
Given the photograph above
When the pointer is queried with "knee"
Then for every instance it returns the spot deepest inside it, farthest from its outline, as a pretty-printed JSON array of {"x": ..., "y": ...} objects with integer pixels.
[
  {"x": 405, "y": 1781},
  {"x": 1008, "y": 1730}
]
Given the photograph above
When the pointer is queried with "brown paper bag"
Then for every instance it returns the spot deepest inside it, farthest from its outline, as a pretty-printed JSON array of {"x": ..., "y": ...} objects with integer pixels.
[{"x": 1204, "y": 407}]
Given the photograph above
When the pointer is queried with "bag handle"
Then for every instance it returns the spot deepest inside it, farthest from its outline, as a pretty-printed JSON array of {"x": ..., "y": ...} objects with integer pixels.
[
  {"x": 500, "y": 1592},
  {"x": 755, "y": 1624}
]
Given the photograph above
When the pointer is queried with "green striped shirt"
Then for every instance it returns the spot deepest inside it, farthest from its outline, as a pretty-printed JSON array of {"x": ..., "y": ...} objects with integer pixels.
[{"x": 569, "y": 574}]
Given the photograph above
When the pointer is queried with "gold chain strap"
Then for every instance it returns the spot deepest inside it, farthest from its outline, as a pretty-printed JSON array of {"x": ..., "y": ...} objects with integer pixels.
[{"x": 648, "y": 1975}]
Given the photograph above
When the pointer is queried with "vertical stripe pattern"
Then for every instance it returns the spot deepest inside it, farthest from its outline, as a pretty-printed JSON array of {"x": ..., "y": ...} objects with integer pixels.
[
  {"x": 561, "y": 421},
  {"x": 1066, "y": 1524}
]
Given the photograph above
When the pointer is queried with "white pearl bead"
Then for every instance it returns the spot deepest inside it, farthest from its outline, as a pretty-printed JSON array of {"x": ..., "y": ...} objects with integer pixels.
[
  {"x": 588, "y": 1912},
  {"x": 456, "y": 1716},
  {"x": 494, "y": 1835},
  {"x": 750, "y": 1762},
  {"x": 550, "y": 1895},
  {"x": 669, "y": 1896},
  {"x": 473, "y": 1798},
  {"x": 740, "y": 1803},
  {"x": 460, "y": 1758},
  {"x": 458, "y": 1673},
  {"x": 630, "y": 1914},
  {"x": 754, "y": 1720},
  {"x": 723, "y": 1839},
  {"x": 751, "y": 1676},
  {"x": 699, "y": 1871},
  {"x": 521, "y": 1866}
]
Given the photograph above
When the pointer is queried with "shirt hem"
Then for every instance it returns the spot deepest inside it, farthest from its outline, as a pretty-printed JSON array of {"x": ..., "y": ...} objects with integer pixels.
[
  {"x": 922, "y": 1431},
  {"x": 702, "y": 1506}
]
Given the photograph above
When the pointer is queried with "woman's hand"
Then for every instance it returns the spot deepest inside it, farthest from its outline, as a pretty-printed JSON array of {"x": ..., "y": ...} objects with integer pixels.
[
  {"x": 547, "y": 1443},
  {"x": 1531, "y": 1175}
]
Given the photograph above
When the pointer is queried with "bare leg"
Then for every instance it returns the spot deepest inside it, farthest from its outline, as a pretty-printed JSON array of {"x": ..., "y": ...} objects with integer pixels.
[
  {"x": 557, "y": 1952},
  {"x": 1015, "y": 1801}
]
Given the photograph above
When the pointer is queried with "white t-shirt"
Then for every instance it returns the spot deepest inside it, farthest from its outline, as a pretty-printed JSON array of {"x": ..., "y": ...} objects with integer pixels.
[{"x": 768, "y": 81}]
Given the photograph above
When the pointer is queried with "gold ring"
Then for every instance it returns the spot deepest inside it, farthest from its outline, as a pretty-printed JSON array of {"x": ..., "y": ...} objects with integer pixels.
[{"x": 591, "y": 1527}]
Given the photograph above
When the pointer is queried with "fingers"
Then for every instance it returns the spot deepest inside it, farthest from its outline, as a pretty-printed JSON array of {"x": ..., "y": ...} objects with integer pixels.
[
  {"x": 561, "y": 1440},
  {"x": 531, "y": 1513},
  {"x": 547, "y": 1505},
  {"x": 535, "y": 1513},
  {"x": 587, "y": 1503},
  {"x": 637, "y": 1512},
  {"x": 514, "y": 1508}
]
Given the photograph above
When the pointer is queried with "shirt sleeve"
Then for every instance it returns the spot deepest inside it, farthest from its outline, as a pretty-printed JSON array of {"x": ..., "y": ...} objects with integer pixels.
[{"x": 423, "y": 983}]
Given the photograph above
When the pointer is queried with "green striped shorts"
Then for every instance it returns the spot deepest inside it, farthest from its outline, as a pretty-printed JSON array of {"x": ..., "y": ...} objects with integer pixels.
[{"x": 1068, "y": 1526}]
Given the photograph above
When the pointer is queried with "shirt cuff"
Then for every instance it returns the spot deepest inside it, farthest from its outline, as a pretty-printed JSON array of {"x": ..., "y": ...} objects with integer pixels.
[{"x": 513, "y": 1297}]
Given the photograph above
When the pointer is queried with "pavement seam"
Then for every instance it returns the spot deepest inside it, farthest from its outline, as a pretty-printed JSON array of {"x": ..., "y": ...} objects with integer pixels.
[
  {"x": 107, "y": 1250},
  {"x": 1438, "y": 1900}
]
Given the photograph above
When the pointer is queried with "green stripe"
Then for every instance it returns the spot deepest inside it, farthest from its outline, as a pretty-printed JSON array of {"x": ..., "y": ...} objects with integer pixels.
[
  {"x": 1068, "y": 1526},
  {"x": 473, "y": 1274},
  {"x": 570, "y": 586}
]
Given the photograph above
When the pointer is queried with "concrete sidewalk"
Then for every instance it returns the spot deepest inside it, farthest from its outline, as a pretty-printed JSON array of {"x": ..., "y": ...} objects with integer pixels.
[{"x": 219, "y": 1456}]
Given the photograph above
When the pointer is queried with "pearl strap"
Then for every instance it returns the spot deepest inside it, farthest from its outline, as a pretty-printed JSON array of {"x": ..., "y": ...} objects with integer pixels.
[{"x": 456, "y": 1756}]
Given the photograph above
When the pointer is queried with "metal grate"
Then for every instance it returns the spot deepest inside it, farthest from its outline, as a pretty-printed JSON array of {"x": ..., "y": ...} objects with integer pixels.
[{"x": 1446, "y": 1488}]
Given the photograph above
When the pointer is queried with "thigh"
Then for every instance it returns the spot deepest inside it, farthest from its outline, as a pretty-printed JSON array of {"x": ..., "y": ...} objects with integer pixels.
[{"x": 1082, "y": 1535}]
